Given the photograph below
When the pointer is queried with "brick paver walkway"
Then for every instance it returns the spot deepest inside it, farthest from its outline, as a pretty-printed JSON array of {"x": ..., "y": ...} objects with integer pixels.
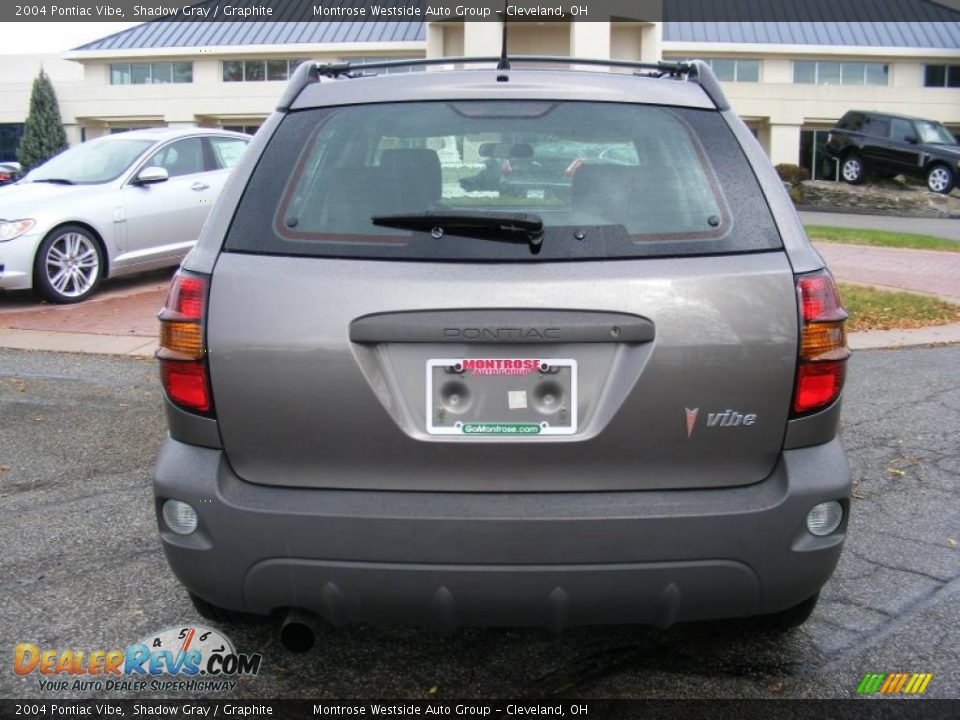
[
  {"x": 926, "y": 271},
  {"x": 127, "y": 306}
]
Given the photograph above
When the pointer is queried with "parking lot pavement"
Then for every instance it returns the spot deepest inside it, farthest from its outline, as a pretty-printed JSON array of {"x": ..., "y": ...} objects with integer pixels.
[{"x": 82, "y": 567}]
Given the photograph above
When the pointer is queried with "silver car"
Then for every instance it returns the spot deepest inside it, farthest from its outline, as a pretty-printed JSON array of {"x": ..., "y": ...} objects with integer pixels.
[
  {"x": 112, "y": 206},
  {"x": 396, "y": 397}
]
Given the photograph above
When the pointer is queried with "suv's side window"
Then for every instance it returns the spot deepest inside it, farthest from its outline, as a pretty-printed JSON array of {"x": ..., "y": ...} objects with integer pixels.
[
  {"x": 900, "y": 130},
  {"x": 877, "y": 126},
  {"x": 184, "y": 157}
]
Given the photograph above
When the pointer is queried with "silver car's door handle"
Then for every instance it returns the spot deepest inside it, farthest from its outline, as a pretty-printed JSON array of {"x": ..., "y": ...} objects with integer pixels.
[{"x": 199, "y": 186}]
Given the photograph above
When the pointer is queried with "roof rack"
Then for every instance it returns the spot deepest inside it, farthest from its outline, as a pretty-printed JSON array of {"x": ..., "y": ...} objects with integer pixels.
[{"x": 693, "y": 71}]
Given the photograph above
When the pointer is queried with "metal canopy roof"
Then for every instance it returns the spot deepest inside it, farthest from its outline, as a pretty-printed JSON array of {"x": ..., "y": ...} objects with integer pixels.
[
  {"x": 164, "y": 34},
  {"x": 931, "y": 26}
]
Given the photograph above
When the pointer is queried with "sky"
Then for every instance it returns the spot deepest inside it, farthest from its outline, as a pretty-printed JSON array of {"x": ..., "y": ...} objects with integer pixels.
[{"x": 53, "y": 37}]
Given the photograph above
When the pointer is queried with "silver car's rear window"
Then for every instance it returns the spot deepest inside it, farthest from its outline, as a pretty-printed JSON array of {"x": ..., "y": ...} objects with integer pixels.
[{"x": 607, "y": 179}]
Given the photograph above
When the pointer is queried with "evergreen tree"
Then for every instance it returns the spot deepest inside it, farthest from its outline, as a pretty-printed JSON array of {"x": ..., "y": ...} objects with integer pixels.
[{"x": 43, "y": 136}]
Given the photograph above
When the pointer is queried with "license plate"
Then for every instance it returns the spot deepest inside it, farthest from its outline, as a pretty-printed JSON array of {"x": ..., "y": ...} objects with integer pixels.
[{"x": 504, "y": 397}]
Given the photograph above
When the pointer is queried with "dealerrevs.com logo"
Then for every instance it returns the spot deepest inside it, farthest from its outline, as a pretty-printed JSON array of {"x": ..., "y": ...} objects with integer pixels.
[{"x": 190, "y": 658}]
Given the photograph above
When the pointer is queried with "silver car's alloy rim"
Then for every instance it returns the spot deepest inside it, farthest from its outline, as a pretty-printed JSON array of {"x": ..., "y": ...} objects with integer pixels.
[
  {"x": 938, "y": 180},
  {"x": 72, "y": 264},
  {"x": 851, "y": 170}
]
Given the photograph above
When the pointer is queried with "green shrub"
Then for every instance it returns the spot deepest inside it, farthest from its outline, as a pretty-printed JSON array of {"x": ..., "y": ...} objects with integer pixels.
[
  {"x": 43, "y": 136},
  {"x": 793, "y": 174}
]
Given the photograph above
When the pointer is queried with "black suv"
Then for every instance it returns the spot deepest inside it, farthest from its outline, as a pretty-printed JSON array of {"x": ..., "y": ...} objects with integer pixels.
[{"x": 872, "y": 142}]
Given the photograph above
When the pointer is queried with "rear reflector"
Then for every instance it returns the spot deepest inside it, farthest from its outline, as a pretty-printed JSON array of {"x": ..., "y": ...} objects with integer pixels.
[
  {"x": 182, "y": 354},
  {"x": 821, "y": 366},
  {"x": 818, "y": 384},
  {"x": 186, "y": 384}
]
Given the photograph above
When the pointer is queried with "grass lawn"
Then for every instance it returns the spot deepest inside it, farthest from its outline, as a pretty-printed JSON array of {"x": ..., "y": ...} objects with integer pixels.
[
  {"x": 883, "y": 238},
  {"x": 872, "y": 309}
]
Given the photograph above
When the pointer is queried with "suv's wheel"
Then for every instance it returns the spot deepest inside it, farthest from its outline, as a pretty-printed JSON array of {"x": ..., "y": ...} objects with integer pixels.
[
  {"x": 940, "y": 179},
  {"x": 218, "y": 614},
  {"x": 852, "y": 169},
  {"x": 68, "y": 266}
]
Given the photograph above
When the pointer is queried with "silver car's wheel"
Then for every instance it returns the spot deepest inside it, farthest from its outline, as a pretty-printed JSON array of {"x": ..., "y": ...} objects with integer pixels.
[
  {"x": 940, "y": 179},
  {"x": 69, "y": 265},
  {"x": 852, "y": 170}
]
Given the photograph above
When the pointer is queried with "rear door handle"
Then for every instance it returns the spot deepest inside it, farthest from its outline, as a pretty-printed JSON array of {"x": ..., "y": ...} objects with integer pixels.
[{"x": 199, "y": 186}]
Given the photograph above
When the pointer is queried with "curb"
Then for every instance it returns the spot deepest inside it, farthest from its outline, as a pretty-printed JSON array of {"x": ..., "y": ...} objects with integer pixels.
[
  {"x": 141, "y": 347},
  {"x": 44, "y": 340},
  {"x": 916, "y": 337}
]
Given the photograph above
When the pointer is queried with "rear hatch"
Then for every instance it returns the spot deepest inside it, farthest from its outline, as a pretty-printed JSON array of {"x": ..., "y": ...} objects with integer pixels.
[{"x": 375, "y": 321}]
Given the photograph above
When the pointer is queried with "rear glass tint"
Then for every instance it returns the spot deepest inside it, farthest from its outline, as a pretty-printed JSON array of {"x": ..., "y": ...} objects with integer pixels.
[{"x": 608, "y": 180}]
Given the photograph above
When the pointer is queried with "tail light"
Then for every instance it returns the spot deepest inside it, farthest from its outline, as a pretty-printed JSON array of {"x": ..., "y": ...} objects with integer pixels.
[
  {"x": 182, "y": 352},
  {"x": 822, "y": 361}
]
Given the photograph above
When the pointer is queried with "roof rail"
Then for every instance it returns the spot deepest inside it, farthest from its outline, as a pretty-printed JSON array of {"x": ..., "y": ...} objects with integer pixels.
[{"x": 694, "y": 71}]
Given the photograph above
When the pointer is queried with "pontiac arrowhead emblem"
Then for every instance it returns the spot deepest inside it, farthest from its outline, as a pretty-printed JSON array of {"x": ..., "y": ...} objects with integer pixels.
[{"x": 691, "y": 420}]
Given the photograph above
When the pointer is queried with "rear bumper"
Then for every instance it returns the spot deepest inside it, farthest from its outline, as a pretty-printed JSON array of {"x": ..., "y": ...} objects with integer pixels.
[{"x": 553, "y": 559}]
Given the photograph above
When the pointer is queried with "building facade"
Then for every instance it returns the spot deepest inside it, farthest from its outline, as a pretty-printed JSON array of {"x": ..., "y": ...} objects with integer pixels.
[{"x": 789, "y": 81}]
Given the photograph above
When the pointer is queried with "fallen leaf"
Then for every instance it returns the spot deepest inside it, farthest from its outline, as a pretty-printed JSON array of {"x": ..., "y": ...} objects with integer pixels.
[
  {"x": 6, "y": 468},
  {"x": 433, "y": 690}
]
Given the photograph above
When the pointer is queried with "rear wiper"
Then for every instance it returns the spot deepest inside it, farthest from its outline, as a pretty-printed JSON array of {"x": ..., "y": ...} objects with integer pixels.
[
  {"x": 502, "y": 226},
  {"x": 58, "y": 181}
]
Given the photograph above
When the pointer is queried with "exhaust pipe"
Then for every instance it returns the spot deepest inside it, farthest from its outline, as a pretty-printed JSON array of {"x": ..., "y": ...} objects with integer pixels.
[{"x": 299, "y": 630}]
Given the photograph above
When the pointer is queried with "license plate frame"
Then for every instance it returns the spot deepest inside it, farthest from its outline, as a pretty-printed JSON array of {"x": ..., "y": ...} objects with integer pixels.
[{"x": 534, "y": 396}]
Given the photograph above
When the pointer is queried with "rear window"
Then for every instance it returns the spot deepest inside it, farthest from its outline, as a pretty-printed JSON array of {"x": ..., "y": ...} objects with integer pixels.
[{"x": 608, "y": 180}]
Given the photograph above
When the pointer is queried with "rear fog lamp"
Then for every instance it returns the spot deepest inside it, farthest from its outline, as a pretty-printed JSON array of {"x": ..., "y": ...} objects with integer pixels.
[
  {"x": 824, "y": 518},
  {"x": 179, "y": 516}
]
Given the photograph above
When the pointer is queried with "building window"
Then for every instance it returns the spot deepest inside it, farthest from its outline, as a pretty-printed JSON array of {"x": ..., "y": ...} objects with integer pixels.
[
  {"x": 832, "y": 72},
  {"x": 10, "y": 134},
  {"x": 384, "y": 71},
  {"x": 248, "y": 129},
  {"x": 941, "y": 76},
  {"x": 161, "y": 73},
  {"x": 814, "y": 156},
  {"x": 259, "y": 70},
  {"x": 734, "y": 69}
]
